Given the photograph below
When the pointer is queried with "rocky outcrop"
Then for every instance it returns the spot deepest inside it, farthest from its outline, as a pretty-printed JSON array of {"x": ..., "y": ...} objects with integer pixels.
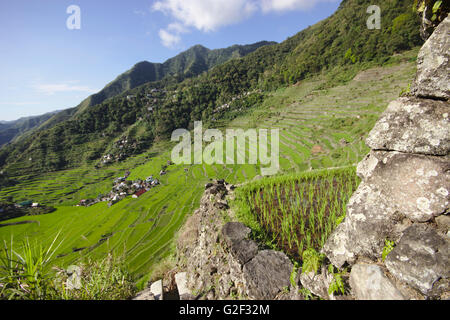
[
  {"x": 318, "y": 283},
  {"x": 433, "y": 65},
  {"x": 267, "y": 274},
  {"x": 404, "y": 193},
  {"x": 219, "y": 259},
  {"x": 413, "y": 125}
]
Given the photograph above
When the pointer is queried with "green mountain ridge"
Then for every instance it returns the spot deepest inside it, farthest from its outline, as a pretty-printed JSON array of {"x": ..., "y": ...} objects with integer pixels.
[
  {"x": 340, "y": 46},
  {"x": 187, "y": 64},
  {"x": 10, "y": 130}
]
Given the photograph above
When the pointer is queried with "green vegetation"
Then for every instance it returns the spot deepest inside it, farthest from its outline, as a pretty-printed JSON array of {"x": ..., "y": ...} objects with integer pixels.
[
  {"x": 437, "y": 9},
  {"x": 388, "y": 247},
  {"x": 142, "y": 230},
  {"x": 298, "y": 212},
  {"x": 187, "y": 64},
  {"x": 9, "y": 130},
  {"x": 31, "y": 275},
  {"x": 322, "y": 88},
  {"x": 105, "y": 279},
  {"x": 319, "y": 49},
  {"x": 337, "y": 286},
  {"x": 24, "y": 275}
]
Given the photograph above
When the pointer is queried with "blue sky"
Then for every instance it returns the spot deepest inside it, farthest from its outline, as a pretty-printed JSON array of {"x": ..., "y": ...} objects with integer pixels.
[{"x": 46, "y": 67}]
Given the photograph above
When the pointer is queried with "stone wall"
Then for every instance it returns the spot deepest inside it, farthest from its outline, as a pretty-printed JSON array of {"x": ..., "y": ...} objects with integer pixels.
[
  {"x": 221, "y": 262},
  {"x": 404, "y": 193}
]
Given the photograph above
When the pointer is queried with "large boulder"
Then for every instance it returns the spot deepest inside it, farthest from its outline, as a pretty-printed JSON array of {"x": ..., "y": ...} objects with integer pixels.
[
  {"x": 267, "y": 274},
  {"x": 368, "y": 282},
  {"x": 397, "y": 188},
  {"x": 422, "y": 259},
  {"x": 415, "y": 185},
  {"x": 369, "y": 221},
  {"x": 243, "y": 251},
  {"x": 433, "y": 65},
  {"x": 413, "y": 125},
  {"x": 235, "y": 232}
]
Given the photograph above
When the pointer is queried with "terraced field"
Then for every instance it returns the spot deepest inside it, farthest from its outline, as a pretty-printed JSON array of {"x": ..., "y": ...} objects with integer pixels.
[
  {"x": 327, "y": 128},
  {"x": 319, "y": 128}
]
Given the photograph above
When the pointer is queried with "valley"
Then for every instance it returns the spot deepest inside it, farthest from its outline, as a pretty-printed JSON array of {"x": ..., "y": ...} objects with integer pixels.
[{"x": 143, "y": 230}]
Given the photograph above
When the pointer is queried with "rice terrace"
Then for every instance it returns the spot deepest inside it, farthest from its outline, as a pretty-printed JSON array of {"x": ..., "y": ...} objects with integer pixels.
[{"x": 94, "y": 205}]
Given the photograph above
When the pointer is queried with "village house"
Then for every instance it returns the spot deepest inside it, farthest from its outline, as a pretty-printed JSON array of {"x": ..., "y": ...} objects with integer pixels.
[{"x": 121, "y": 189}]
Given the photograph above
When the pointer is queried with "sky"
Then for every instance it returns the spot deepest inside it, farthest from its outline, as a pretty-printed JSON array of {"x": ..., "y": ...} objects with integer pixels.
[{"x": 53, "y": 56}]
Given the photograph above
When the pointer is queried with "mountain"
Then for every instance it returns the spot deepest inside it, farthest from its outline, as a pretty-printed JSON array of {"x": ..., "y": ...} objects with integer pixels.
[
  {"x": 338, "y": 46},
  {"x": 10, "y": 130},
  {"x": 187, "y": 64}
]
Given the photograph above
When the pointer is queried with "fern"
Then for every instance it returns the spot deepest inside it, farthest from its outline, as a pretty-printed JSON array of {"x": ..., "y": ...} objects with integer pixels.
[
  {"x": 311, "y": 261},
  {"x": 388, "y": 247},
  {"x": 337, "y": 286}
]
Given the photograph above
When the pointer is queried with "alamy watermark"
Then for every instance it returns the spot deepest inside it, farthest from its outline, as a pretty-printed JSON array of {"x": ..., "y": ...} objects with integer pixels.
[
  {"x": 228, "y": 149},
  {"x": 73, "y": 22},
  {"x": 374, "y": 21}
]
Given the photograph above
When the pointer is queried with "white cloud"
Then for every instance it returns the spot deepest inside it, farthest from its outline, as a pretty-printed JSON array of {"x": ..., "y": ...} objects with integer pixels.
[
  {"x": 288, "y": 5},
  {"x": 206, "y": 15},
  {"x": 210, "y": 15},
  {"x": 168, "y": 39},
  {"x": 51, "y": 89},
  {"x": 177, "y": 27}
]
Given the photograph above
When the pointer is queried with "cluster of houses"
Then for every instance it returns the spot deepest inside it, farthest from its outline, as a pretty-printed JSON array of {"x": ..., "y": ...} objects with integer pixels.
[
  {"x": 122, "y": 149},
  {"x": 121, "y": 189},
  {"x": 10, "y": 210},
  {"x": 228, "y": 105},
  {"x": 151, "y": 99}
]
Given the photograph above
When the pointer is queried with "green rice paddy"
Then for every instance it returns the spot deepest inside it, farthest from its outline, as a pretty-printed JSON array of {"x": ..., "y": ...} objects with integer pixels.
[{"x": 319, "y": 128}]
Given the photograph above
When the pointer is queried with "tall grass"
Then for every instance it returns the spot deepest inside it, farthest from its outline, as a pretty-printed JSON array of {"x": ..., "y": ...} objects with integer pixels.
[
  {"x": 30, "y": 275},
  {"x": 106, "y": 279},
  {"x": 297, "y": 212},
  {"x": 25, "y": 275}
]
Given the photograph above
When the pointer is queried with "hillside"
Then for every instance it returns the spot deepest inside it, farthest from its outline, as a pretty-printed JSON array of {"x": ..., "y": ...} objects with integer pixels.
[
  {"x": 329, "y": 46},
  {"x": 143, "y": 229},
  {"x": 187, "y": 64},
  {"x": 357, "y": 210},
  {"x": 10, "y": 130}
]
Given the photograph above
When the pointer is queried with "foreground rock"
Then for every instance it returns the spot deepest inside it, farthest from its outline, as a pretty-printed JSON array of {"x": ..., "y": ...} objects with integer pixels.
[
  {"x": 404, "y": 194},
  {"x": 433, "y": 65},
  {"x": 157, "y": 290},
  {"x": 368, "y": 282},
  {"x": 318, "y": 283},
  {"x": 413, "y": 125},
  {"x": 267, "y": 274},
  {"x": 397, "y": 190},
  {"x": 145, "y": 295},
  {"x": 422, "y": 259},
  {"x": 219, "y": 259},
  {"x": 183, "y": 291}
]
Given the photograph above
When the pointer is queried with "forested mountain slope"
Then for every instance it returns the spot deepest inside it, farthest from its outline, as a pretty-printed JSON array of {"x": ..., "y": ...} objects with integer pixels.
[
  {"x": 9, "y": 130},
  {"x": 187, "y": 64},
  {"x": 339, "y": 45}
]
